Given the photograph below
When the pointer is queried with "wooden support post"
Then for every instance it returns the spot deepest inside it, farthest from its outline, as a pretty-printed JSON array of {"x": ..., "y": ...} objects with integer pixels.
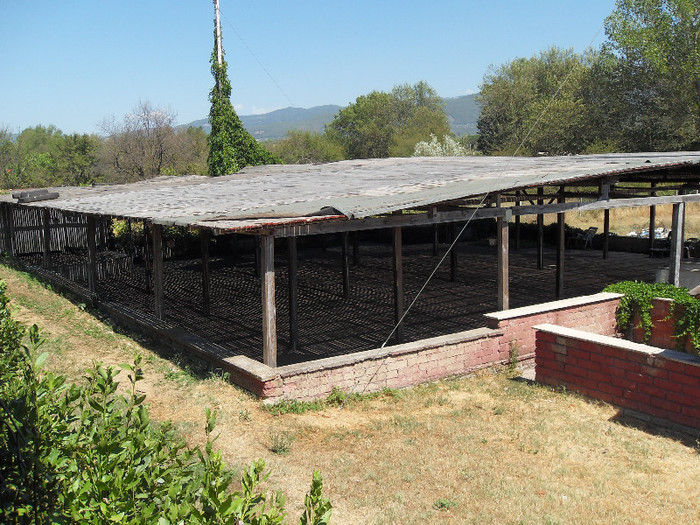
[
  {"x": 540, "y": 230},
  {"x": 502, "y": 279},
  {"x": 398, "y": 283},
  {"x": 269, "y": 310},
  {"x": 344, "y": 254},
  {"x": 652, "y": 220},
  {"x": 158, "y": 282},
  {"x": 561, "y": 244},
  {"x": 92, "y": 254},
  {"x": 677, "y": 227},
  {"x": 147, "y": 257},
  {"x": 204, "y": 236},
  {"x": 47, "y": 237},
  {"x": 292, "y": 265},
  {"x": 436, "y": 239},
  {"x": 517, "y": 224},
  {"x": 9, "y": 229},
  {"x": 453, "y": 252},
  {"x": 356, "y": 249},
  {"x": 606, "y": 232}
]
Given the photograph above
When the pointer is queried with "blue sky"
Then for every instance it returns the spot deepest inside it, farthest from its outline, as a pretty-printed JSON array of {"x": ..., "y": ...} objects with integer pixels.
[{"x": 74, "y": 63}]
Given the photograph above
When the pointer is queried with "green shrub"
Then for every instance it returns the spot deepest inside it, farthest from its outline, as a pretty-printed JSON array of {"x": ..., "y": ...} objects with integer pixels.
[
  {"x": 637, "y": 303},
  {"x": 83, "y": 454}
]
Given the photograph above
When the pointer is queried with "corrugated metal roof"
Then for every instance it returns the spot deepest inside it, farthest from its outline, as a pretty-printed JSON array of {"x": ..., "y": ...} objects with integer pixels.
[{"x": 268, "y": 195}]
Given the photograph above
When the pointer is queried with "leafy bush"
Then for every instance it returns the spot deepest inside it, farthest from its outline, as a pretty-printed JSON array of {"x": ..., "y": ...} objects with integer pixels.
[
  {"x": 84, "y": 454},
  {"x": 636, "y": 303}
]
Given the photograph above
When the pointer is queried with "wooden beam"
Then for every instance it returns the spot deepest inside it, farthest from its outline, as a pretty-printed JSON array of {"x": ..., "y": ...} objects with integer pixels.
[
  {"x": 606, "y": 233},
  {"x": 356, "y": 249},
  {"x": 453, "y": 252},
  {"x": 652, "y": 220},
  {"x": 436, "y": 239},
  {"x": 292, "y": 265},
  {"x": 540, "y": 230},
  {"x": 46, "y": 217},
  {"x": 269, "y": 309},
  {"x": 10, "y": 246},
  {"x": 398, "y": 283},
  {"x": 561, "y": 241},
  {"x": 517, "y": 226},
  {"x": 204, "y": 236},
  {"x": 158, "y": 281},
  {"x": 92, "y": 255},
  {"x": 147, "y": 256},
  {"x": 377, "y": 223},
  {"x": 677, "y": 227},
  {"x": 502, "y": 278},
  {"x": 344, "y": 255}
]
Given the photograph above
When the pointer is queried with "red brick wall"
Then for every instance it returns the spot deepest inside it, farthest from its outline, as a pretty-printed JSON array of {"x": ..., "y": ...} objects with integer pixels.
[
  {"x": 594, "y": 314},
  {"x": 662, "y": 383},
  {"x": 430, "y": 359},
  {"x": 663, "y": 329}
]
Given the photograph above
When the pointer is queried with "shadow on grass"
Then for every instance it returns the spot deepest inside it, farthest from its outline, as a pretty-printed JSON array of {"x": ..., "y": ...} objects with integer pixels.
[{"x": 689, "y": 437}]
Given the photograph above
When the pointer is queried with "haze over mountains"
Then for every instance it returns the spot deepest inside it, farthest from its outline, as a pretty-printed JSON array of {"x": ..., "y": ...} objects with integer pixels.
[{"x": 462, "y": 112}]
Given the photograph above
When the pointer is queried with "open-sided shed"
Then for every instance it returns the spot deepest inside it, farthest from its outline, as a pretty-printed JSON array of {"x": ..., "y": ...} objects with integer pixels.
[{"x": 292, "y": 201}]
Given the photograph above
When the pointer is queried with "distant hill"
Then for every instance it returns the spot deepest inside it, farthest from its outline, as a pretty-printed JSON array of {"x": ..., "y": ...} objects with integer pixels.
[{"x": 462, "y": 112}]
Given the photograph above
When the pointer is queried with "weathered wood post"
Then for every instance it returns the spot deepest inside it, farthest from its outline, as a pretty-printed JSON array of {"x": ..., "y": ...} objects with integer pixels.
[
  {"x": 540, "y": 230},
  {"x": 92, "y": 254},
  {"x": 47, "y": 237},
  {"x": 606, "y": 232},
  {"x": 344, "y": 253},
  {"x": 561, "y": 245},
  {"x": 502, "y": 278},
  {"x": 204, "y": 236},
  {"x": 677, "y": 227},
  {"x": 398, "y": 282},
  {"x": 269, "y": 310},
  {"x": 158, "y": 283},
  {"x": 652, "y": 219},
  {"x": 292, "y": 265}
]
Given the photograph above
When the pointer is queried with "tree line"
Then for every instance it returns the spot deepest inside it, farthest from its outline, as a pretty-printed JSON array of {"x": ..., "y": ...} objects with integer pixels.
[{"x": 639, "y": 91}]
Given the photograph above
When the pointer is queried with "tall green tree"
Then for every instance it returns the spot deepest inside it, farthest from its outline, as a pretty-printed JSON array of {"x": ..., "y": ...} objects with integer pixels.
[
  {"x": 389, "y": 124},
  {"x": 535, "y": 105},
  {"x": 231, "y": 147},
  {"x": 658, "y": 45}
]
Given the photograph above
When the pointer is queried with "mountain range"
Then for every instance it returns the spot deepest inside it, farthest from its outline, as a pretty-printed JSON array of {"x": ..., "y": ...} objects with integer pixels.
[{"x": 462, "y": 113}]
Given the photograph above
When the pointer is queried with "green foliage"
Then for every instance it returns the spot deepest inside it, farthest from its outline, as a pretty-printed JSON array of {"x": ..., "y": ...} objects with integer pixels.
[
  {"x": 636, "y": 303},
  {"x": 534, "y": 106},
  {"x": 306, "y": 147},
  {"x": 85, "y": 454},
  {"x": 382, "y": 124},
  {"x": 231, "y": 147},
  {"x": 660, "y": 37}
]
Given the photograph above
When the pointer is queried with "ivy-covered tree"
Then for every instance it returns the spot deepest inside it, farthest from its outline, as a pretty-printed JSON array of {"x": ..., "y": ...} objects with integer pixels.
[{"x": 231, "y": 147}]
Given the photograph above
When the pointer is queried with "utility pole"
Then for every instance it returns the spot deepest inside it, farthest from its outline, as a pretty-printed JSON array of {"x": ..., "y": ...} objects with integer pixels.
[{"x": 219, "y": 50}]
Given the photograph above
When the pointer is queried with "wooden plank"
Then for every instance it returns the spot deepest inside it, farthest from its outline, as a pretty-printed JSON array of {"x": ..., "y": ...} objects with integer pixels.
[
  {"x": 453, "y": 252},
  {"x": 204, "y": 236},
  {"x": 677, "y": 227},
  {"x": 376, "y": 223},
  {"x": 398, "y": 283},
  {"x": 46, "y": 218},
  {"x": 159, "y": 306},
  {"x": 606, "y": 233},
  {"x": 92, "y": 254},
  {"x": 344, "y": 254},
  {"x": 269, "y": 310},
  {"x": 502, "y": 278},
  {"x": 540, "y": 230},
  {"x": 292, "y": 266},
  {"x": 147, "y": 256},
  {"x": 561, "y": 240},
  {"x": 356, "y": 249},
  {"x": 652, "y": 220}
]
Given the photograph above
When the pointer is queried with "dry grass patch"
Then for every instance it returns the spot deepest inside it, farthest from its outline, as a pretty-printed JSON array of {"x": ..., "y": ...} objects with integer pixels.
[{"x": 482, "y": 449}]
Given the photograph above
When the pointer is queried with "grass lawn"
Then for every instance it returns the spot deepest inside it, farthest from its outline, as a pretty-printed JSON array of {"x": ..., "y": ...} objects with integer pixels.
[{"x": 487, "y": 448}]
